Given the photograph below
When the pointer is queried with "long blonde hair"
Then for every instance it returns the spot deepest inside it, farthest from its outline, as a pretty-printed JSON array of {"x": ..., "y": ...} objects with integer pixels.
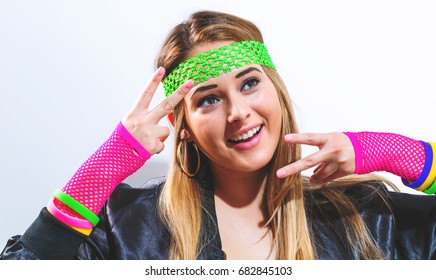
[{"x": 180, "y": 202}]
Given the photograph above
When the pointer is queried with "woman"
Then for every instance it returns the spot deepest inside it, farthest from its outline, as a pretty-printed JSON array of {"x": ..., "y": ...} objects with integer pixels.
[{"x": 234, "y": 188}]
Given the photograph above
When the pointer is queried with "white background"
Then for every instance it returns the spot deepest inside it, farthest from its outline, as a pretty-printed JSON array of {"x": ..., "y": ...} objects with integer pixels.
[
  {"x": 69, "y": 71},
  {"x": 219, "y": 270}
]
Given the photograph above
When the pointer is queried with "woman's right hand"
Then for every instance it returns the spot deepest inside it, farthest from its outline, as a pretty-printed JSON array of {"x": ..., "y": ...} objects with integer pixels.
[{"x": 143, "y": 123}]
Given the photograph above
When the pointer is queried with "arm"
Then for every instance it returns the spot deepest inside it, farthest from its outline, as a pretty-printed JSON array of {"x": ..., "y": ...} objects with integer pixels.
[
  {"x": 136, "y": 138},
  {"x": 342, "y": 154}
]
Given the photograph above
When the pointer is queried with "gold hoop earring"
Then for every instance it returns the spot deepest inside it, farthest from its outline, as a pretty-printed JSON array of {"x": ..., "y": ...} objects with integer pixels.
[{"x": 184, "y": 155}]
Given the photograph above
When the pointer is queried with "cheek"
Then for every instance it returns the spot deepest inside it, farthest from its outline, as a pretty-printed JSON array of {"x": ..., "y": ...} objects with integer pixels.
[
  {"x": 268, "y": 106},
  {"x": 205, "y": 128}
]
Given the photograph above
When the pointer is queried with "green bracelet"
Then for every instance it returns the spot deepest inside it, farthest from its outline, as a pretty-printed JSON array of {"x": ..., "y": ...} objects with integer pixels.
[
  {"x": 431, "y": 189},
  {"x": 77, "y": 206},
  {"x": 432, "y": 175}
]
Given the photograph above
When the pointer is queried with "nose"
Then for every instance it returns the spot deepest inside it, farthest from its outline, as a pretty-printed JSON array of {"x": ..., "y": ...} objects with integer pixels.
[{"x": 239, "y": 109}]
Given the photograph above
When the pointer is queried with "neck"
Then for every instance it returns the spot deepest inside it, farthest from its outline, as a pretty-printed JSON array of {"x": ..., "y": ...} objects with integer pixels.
[
  {"x": 240, "y": 189},
  {"x": 241, "y": 214}
]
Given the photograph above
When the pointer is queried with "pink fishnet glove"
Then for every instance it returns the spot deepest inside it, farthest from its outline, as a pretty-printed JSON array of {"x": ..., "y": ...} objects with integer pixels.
[
  {"x": 389, "y": 152},
  {"x": 119, "y": 157}
]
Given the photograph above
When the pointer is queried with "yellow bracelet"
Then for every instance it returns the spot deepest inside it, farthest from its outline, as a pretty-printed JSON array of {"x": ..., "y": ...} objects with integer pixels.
[
  {"x": 431, "y": 189},
  {"x": 85, "y": 231},
  {"x": 432, "y": 174}
]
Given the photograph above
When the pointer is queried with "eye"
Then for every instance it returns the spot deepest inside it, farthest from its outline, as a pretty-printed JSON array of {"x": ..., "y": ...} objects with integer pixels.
[
  {"x": 249, "y": 84},
  {"x": 207, "y": 101}
]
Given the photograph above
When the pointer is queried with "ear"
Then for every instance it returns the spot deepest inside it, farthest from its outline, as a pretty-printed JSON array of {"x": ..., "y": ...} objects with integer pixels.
[
  {"x": 185, "y": 135},
  {"x": 171, "y": 117}
]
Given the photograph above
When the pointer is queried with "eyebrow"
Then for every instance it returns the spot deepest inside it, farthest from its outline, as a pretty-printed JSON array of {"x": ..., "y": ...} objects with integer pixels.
[
  {"x": 246, "y": 71},
  {"x": 239, "y": 75},
  {"x": 203, "y": 89}
]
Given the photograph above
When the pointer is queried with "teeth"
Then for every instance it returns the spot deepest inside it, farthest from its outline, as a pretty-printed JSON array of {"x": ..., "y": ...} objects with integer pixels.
[{"x": 248, "y": 134}]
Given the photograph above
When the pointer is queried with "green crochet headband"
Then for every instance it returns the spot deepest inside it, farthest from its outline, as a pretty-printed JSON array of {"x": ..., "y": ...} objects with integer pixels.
[{"x": 211, "y": 64}]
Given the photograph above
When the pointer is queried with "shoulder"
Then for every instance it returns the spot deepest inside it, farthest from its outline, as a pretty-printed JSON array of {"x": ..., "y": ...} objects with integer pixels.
[
  {"x": 332, "y": 211},
  {"x": 336, "y": 205},
  {"x": 371, "y": 195},
  {"x": 149, "y": 188},
  {"x": 125, "y": 195},
  {"x": 416, "y": 209},
  {"x": 358, "y": 193}
]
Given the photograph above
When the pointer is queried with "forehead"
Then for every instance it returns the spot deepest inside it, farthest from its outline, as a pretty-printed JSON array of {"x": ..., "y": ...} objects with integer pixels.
[{"x": 207, "y": 47}]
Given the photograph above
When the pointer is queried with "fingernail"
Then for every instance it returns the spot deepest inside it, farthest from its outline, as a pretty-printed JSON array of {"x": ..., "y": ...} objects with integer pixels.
[
  {"x": 281, "y": 173},
  {"x": 189, "y": 84},
  {"x": 160, "y": 71},
  {"x": 288, "y": 138}
]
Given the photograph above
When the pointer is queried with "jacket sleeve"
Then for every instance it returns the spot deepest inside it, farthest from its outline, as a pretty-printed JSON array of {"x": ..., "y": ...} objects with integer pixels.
[
  {"x": 49, "y": 239},
  {"x": 415, "y": 219},
  {"x": 46, "y": 238}
]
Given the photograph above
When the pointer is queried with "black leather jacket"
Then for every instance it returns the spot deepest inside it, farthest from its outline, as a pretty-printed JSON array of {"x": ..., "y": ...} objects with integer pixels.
[{"x": 130, "y": 228}]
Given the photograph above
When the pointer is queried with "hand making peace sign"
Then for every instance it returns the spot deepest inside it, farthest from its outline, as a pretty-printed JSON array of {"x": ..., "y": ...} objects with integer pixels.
[
  {"x": 334, "y": 159},
  {"x": 143, "y": 123}
]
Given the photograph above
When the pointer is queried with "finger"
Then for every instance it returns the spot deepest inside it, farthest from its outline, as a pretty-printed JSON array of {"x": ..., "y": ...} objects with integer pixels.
[
  {"x": 301, "y": 165},
  {"x": 325, "y": 171},
  {"x": 147, "y": 94},
  {"x": 168, "y": 104},
  {"x": 162, "y": 132},
  {"x": 313, "y": 139},
  {"x": 318, "y": 168},
  {"x": 155, "y": 142},
  {"x": 159, "y": 147}
]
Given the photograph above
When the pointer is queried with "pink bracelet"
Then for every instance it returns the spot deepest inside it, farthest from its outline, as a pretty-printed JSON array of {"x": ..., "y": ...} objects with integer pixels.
[{"x": 67, "y": 219}]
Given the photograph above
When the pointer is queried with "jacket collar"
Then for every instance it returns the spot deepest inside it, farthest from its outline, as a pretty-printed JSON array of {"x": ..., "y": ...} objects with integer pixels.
[{"x": 211, "y": 248}]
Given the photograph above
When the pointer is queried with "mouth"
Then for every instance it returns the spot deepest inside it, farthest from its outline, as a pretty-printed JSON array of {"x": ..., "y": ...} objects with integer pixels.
[{"x": 246, "y": 136}]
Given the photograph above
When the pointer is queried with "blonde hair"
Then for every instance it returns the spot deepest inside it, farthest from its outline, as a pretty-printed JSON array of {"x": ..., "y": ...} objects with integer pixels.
[{"x": 180, "y": 201}]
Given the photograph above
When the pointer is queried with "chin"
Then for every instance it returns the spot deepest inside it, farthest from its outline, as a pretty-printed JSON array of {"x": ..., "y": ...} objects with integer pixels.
[{"x": 253, "y": 166}]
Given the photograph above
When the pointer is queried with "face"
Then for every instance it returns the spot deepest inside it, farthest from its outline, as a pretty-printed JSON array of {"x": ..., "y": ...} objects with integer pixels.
[{"x": 235, "y": 119}]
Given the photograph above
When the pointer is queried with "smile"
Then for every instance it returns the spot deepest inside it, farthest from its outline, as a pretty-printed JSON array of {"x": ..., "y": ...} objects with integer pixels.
[{"x": 246, "y": 136}]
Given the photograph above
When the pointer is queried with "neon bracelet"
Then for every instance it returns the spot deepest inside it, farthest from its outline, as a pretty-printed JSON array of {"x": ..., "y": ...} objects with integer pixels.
[
  {"x": 67, "y": 219},
  {"x": 432, "y": 176},
  {"x": 84, "y": 231},
  {"x": 432, "y": 173},
  {"x": 425, "y": 170},
  {"x": 77, "y": 206}
]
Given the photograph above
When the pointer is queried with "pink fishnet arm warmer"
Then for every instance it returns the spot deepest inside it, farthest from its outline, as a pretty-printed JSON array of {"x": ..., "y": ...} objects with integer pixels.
[
  {"x": 119, "y": 157},
  {"x": 394, "y": 153}
]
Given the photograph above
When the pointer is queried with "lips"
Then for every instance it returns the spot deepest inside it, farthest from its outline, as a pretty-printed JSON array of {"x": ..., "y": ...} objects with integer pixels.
[{"x": 246, "y": 136}]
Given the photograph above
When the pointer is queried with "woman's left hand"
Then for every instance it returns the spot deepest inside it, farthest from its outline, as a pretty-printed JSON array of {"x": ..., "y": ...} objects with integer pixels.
[{"x": 334, "y": 159}]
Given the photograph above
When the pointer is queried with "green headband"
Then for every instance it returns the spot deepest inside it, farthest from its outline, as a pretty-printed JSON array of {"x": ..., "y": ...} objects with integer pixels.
[{"x": 211, "y": 64}]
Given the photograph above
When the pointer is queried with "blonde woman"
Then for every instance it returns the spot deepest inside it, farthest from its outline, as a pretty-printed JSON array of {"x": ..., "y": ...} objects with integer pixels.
[{"x": 234, "y": 189}]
